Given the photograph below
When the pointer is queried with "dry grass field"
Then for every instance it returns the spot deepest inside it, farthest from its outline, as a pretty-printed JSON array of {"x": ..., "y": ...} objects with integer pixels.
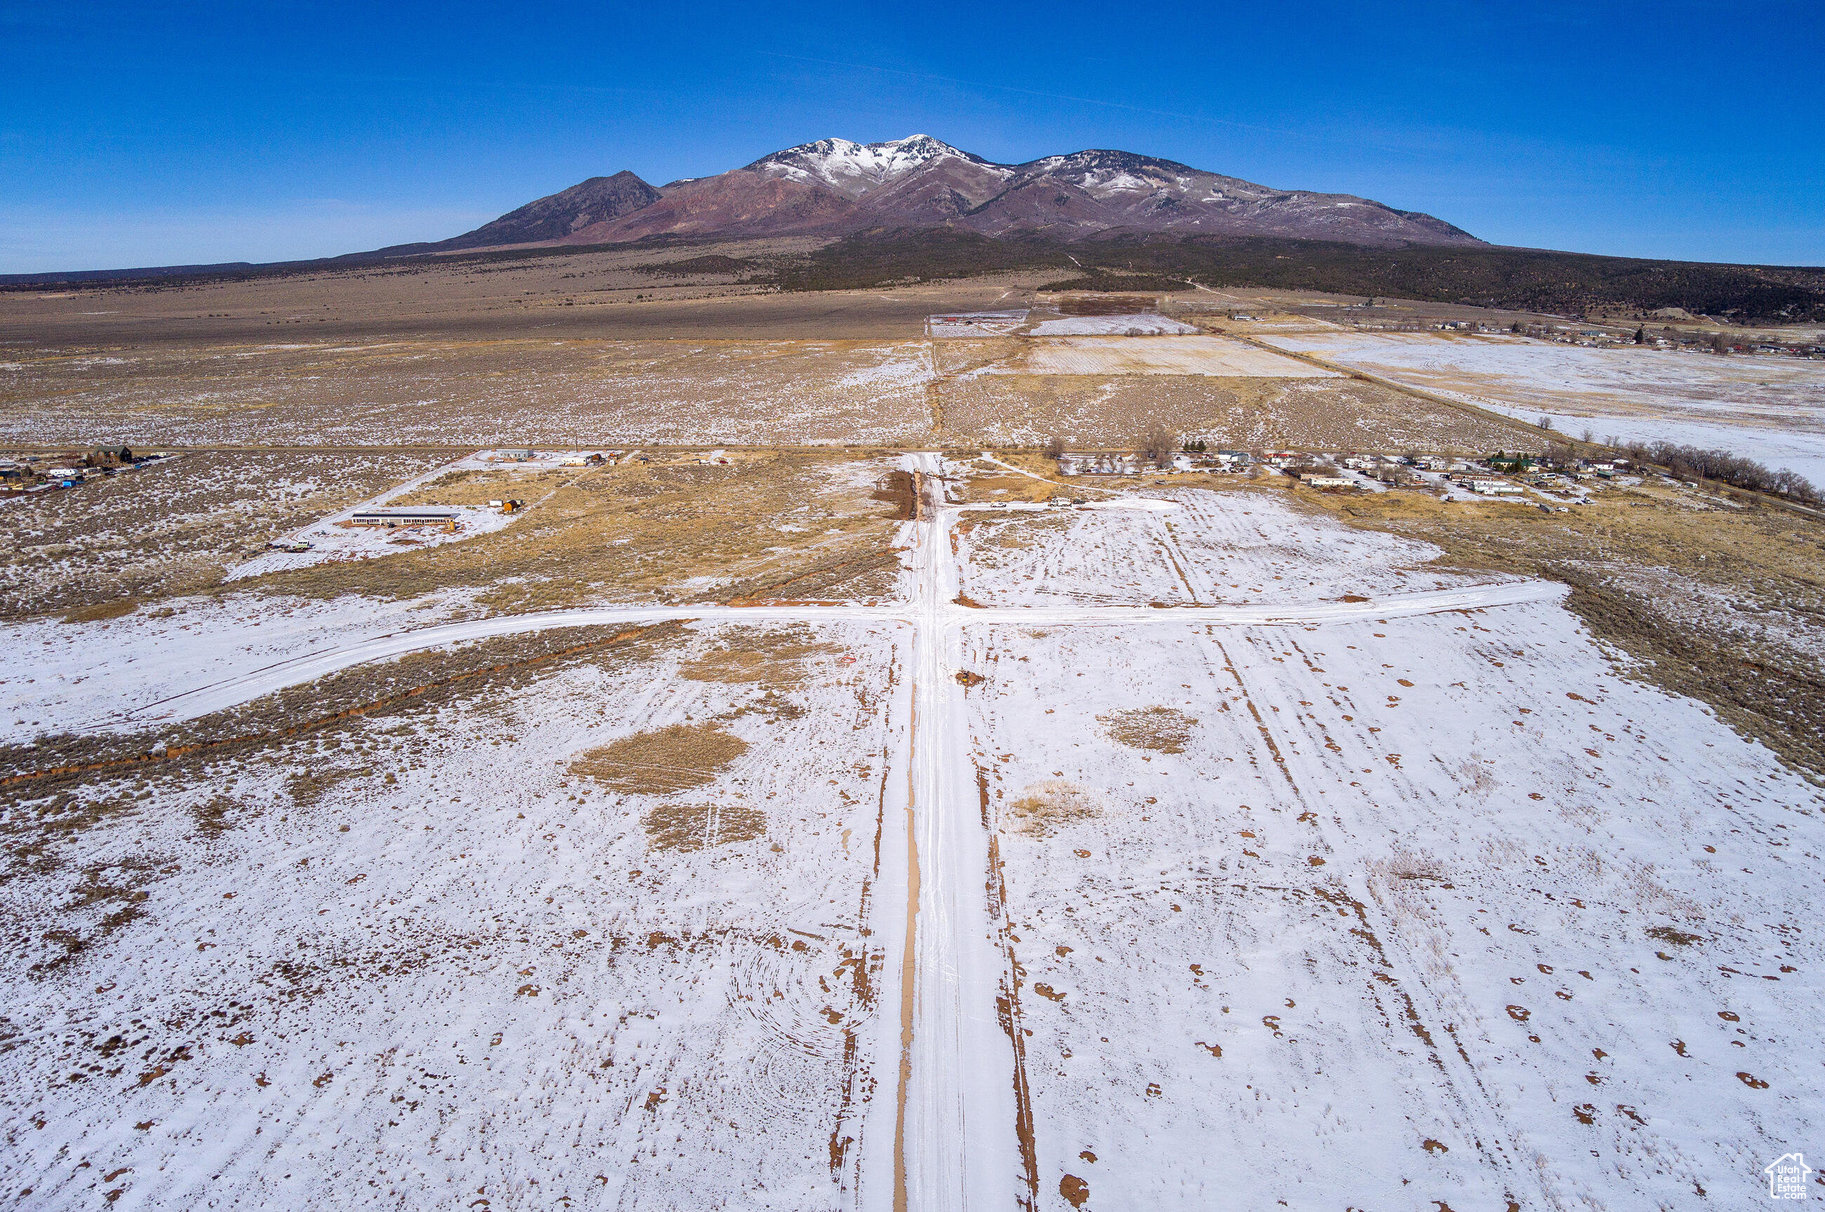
[
  {"x": 509, "y": 355},
  {"x": 581, "y": 392},
  {"x": 791, "y": 524}
]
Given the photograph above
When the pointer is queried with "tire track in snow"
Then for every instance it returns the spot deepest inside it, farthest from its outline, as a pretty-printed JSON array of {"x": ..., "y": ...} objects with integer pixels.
[{"x": 1484, "y": 1118}]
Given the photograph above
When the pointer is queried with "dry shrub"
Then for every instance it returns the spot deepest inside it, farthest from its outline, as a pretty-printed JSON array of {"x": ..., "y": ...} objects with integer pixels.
[
  {"x": 95, "y": 612},
  {"x": 694, "y": 826},
  {"x": 1404, "y": 867},
  {"x": 1675, "y": 936},
  {"x": 672, "y": 759},
  {"x": 1161, "y": 729},
  {"x": 312, "y": 784},
  {"x": 215, "y": 817},
  {"x": 1047, "y": 805},
  {"x": 773, "y": 658}
]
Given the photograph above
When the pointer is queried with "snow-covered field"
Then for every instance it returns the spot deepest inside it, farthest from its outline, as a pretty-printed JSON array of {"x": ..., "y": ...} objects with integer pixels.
[
  {"x": 176, "y": 525},
  {"x": 50, "y": 682},
  {"x": 1398, "y": 921},
  {"x": 1113, "y": 355},
  {"x": 463, "y": 975},
  {"x": 336, "y": 538},
  {"x": 1209, "y": 548},
  {"x": 569, "y": 393},
  {"x": 1113, "y": 326},
  {"x": 1767, "y": 408},
  {"x": 1195, "y": 852}
]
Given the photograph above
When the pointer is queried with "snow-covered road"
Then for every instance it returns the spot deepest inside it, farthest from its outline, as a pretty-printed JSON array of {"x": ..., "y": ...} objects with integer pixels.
[{"x": 307, "y": 667}]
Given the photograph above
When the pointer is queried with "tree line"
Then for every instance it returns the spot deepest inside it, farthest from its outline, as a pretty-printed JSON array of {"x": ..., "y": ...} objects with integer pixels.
[{"x": 1738, "y": 471}]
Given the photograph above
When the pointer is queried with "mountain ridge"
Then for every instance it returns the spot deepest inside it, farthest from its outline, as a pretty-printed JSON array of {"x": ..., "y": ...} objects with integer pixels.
[{"x": 837, "y": 187}]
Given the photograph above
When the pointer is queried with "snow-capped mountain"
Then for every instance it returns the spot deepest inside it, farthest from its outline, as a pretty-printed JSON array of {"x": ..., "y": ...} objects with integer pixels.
[
  {"x": 855, "y": 169},
  {"x": 836, "y": 186}
]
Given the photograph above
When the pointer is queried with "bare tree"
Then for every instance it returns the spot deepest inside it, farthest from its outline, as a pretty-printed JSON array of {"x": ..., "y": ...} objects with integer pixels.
[
  {"x": 1157, "y": 445},
  {"x": 1545, "y": 422},
  {"x": 1055, "y": 446}
]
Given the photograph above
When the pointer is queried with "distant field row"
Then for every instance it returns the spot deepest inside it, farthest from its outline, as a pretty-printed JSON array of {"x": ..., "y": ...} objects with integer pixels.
[{"x": 1090, "y": 390}]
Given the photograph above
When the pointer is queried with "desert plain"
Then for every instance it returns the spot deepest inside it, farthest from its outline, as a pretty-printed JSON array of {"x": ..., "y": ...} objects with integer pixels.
[{"x": 810, "y": 795}]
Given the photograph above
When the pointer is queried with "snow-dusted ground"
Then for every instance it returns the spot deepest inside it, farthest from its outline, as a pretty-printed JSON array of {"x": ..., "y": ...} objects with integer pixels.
[
  {"x": 51, "y": 681},
  {"x": 1417, "y": 901},
  {"x": 1382, "y": 933},
  {"x": 1768, "y": 408},
  {"x": 334, "y": 538},
  {"x": 476, "y": 984},
  {"x": 975, "y": 323},
  {"x": 1231, "y": 547},
  {"x": 1166, "y": 355},
  {"x": 518, "y": 460}
]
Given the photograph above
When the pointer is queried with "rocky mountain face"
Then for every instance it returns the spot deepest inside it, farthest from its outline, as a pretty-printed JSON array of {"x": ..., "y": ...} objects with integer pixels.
[
  {"x": 560, "y": 216},
  {"x": 834, "y": 186}
]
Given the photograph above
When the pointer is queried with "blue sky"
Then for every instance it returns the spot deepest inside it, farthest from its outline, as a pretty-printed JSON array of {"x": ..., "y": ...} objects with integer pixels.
[{"x": 148, "y": 133}]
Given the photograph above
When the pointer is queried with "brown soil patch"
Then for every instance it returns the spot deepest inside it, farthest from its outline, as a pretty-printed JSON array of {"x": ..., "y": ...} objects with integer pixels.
[
  {"x": 1047, "y": 805},
  {"x": 684, "y": 827},
  {"x": 1161, "y": 729},
  {"x": 672, "y": 759}
]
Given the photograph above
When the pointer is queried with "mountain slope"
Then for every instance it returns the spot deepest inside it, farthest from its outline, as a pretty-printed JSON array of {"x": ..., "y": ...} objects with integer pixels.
[
  {"x": 562, "y": 214},
  {"x": 838, "y": 187}
]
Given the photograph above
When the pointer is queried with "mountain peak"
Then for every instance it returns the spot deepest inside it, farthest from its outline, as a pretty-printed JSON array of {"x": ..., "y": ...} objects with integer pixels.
[{"x": 853, "y": 169}]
